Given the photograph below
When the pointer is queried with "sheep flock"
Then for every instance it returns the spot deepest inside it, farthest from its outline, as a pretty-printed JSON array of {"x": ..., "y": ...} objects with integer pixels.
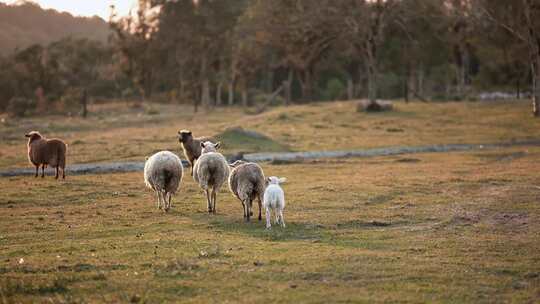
[{"x": 163, "y": 173}]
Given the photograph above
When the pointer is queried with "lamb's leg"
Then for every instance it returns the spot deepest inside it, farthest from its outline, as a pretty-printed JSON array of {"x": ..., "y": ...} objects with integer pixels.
[
  {"x": 281, "y": 219},
  {"x": 268, "y": 216},
  {"x": 209, "y": 204},
  {"x": 43, "y": 171},
  {"x": 37, "y": 171},
  {"x": 214, "y": 200}
]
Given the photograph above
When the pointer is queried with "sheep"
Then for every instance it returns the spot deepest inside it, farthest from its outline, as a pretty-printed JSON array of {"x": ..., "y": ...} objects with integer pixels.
[
  {"x": 247, "y": 182},
  {"x": 163, "y": 173},
  {"x": 274, "y": 199},
  {"x": 46, "y": 152},
  {"x": 211, "y": 170},
  {"x": 191, "y": 146}
]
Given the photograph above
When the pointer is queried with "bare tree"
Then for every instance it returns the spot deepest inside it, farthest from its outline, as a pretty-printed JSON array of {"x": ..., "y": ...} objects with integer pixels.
[{"x": 521, "y": 18}]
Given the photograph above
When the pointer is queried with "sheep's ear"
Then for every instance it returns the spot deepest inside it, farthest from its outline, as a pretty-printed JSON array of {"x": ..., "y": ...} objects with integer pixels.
[
  {"x": 202, "y": 144},
  {"x": 282, "y": 180},
  {"x": 217, "y": 144},
  {"x": 268, "y": 180},
  {"x": 27, "y": 135}
]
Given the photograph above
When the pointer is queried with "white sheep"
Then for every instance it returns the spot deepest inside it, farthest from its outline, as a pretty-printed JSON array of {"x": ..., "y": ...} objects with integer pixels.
[
  {"x": 247, "y": 183},
  {"x": 274, "y": 199},
  {"x": 163, "y": 173},
  {"x": 211, "y": 170}
]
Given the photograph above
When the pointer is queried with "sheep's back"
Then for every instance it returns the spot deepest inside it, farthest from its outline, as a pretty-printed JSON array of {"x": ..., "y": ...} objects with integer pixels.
[
  {"x": 47, "y": 151},
  {"x": 247, "y": 181},
  {"x": 211, "y": 169},
  {"x": 163, "y": 171}
]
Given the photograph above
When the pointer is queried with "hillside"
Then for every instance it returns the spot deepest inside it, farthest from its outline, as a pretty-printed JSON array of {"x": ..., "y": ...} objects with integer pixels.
[{"x": 27, "y": 23}]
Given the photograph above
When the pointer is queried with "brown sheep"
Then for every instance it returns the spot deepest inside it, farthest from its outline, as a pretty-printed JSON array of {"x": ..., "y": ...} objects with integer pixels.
[
  {"x": 191, "y": 146},
  {"x": 247, "y": 183},
  {"x": 46, "y": 152}
]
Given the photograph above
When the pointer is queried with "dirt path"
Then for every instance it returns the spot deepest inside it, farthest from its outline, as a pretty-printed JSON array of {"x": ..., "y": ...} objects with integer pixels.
[{"x": 115, "y": 167}]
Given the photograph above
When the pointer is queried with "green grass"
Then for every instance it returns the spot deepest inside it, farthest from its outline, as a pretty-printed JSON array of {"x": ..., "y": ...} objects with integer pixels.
[
  {"x": 449, "y": 228},
  {"x": 446, "y": 227}
]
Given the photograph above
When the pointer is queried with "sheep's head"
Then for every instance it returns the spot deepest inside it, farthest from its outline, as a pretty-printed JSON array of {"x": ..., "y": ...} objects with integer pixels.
[
  {"x": 33, "y": 135},
  {"x": 274, "y": 180},
  {"x": 237, "y": 163},
  {"x": 208, "y": 146},
  {"x": 184, "y": 136}
]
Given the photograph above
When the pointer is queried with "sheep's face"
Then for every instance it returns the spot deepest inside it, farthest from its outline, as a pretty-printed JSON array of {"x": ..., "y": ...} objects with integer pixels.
[
  {"x": 274, "y": 180},
  {"x": 33, "y": 135},
  {"x": 208, "y": 146},
  {"x": 184, "y": 136}
]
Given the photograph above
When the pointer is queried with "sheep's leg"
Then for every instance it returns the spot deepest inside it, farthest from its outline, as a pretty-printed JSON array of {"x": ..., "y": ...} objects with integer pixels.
[
  {"x": 209, "y": 204},
  {"x": 260, "y": 207},
  {"x": 43, "y": 171},
  {"x": 166, "y": 201},
  {"x": 214, "y": 200},
  {"x": 56, "y": 175},
  {"x": 246, "y": 210},
  {"x": 250, "y": 207},
  {"x": 170, "y": 200},
  {"x": 63, "y": 173},
  {"x": 281, "y": 219},
  {"x": 37, "y": 171},
  {"x": 158, "y": 200},
  {"x": 268, "y": 216}
]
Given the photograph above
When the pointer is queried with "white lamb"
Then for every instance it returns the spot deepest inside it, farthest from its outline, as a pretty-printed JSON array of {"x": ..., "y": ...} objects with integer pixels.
[
  {"x": 163, "y": 173},
  {"x": 274, "y": 199}
]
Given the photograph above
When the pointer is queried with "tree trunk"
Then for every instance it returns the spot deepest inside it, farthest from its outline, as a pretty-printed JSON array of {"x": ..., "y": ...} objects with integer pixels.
[
  {"x": 287, "y": 84},
  {"x": 218, "y": 93},
  {"x": 205, "y": 93},
  {"x": 244, "y": 98},
  {"x": 306, "y": 81},
  {"x": 350, "y": 88},
  {"x": 536, "y": 86},
  {"x": 231, "y": 92},
  {"x": 372, "y": 74},
  {"x": 518, "y": 88},
  {"x": 84, "y": 99}
]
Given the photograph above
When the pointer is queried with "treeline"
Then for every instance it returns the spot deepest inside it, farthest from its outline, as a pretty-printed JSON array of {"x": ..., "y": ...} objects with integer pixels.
[{"x": 213, "y": 53}]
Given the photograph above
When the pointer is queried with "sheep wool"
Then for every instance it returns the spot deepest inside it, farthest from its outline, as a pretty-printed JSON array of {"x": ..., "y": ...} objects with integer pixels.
[
  {"x": 274, "y": 199},
  {"x": 46, "y": 152},
  {"x": 163, "y": 173},
  {"x": 211, "y": 170},
  {"x": 247, "y": 183}
]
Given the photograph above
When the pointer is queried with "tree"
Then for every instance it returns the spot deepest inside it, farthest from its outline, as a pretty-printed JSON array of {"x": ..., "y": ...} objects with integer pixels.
[
  {"x": 365, "y": 23},
  {"x": 521, "y": 18}
]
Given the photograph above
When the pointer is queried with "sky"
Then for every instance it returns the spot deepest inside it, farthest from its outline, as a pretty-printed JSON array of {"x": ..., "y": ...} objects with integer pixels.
[{"x": 85, "y": 7}]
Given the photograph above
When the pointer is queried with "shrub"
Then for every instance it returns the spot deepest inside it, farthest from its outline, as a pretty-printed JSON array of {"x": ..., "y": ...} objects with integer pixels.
[
  {"x": 334, "y": 89},
  {"x": 20, "y": 106}
]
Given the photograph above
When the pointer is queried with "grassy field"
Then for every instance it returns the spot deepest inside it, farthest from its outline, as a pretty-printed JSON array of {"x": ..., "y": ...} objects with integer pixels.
[
  {"x": 446, "y": 227},
  {"x": 116, "y": 132}
]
